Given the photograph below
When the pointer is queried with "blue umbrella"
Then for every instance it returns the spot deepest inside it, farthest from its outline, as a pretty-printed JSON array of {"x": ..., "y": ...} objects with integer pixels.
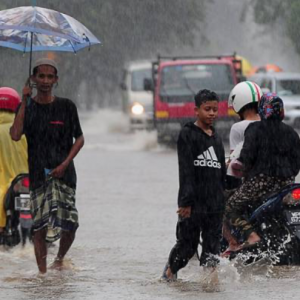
[{"x": 32, "y": 28}]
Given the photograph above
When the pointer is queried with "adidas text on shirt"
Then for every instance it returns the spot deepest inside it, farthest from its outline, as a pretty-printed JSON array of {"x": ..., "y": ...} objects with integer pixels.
[{"x": 208, "y": 159}]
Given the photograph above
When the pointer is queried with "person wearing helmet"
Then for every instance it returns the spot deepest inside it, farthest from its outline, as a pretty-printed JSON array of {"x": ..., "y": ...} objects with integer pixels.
[
  {"x": 53, "y": 131},
  {"x": 271, "y": 160},
  {"x": 243, "y": 99},
  {"x": 13, "y": 155}
]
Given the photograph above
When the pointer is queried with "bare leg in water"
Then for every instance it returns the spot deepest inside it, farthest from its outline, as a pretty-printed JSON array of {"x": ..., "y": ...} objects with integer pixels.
[
  {"x": 40, "y": 249},
  {"x": 66, "y": 240},
  {"x": 169, "y": 274}
]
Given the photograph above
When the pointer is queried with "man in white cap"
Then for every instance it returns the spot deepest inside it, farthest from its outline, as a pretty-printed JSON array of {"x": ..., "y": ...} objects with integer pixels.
[{"x": 52, "y": 128}]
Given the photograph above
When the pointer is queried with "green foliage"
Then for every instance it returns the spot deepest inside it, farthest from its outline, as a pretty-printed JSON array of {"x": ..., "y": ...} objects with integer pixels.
[
  {"x": 293, "y": 24},
  {"x": 287, "y": 12},
  {"x": 128, "y": 30},
  {"x": 269, "y": 11}
]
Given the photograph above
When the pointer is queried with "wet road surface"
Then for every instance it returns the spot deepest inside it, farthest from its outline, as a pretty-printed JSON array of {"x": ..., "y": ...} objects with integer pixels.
[{"x": 126, "y": 197}]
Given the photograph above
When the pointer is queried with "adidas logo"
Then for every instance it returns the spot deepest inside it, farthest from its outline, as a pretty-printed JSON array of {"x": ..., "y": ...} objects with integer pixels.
[{"x": 208, "y": 159}]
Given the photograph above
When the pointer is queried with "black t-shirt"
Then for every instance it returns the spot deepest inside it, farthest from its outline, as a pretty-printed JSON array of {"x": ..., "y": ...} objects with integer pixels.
[{"x": 50, "y": 130}]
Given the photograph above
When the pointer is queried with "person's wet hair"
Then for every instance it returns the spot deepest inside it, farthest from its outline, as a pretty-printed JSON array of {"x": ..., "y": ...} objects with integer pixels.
[
  {"x": 249, "y": 106},
  {"x": 204, "y": 96}
]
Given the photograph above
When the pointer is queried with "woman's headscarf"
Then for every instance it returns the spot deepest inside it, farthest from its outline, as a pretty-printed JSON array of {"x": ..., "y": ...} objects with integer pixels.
[{"x": 270, "y": 107}]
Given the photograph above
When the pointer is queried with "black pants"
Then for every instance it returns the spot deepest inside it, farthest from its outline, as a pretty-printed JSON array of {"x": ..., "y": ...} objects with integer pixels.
[{"x": 188, "y": 235}]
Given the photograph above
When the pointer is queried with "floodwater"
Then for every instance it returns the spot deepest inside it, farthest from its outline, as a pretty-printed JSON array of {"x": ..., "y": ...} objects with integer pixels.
[{"x": 126, "y": 197}]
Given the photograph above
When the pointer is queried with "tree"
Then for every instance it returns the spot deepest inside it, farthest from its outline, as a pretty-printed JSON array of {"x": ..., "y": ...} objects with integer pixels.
[
  {"x": 128, "y": 30},
  {"x": 287, "y": 12}
]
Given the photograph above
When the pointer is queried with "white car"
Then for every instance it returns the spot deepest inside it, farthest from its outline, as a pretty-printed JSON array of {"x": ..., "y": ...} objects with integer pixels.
[
  {"x": 287, "y": 87},
  {"x": 137, "y": 102}
]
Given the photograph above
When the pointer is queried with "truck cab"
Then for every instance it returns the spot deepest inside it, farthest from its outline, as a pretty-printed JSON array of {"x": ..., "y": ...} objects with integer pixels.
[{"x": 177, "y": 80}]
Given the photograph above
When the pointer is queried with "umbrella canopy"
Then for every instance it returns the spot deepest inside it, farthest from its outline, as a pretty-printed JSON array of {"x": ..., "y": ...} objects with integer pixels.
[{"x": 32, "y": 28}]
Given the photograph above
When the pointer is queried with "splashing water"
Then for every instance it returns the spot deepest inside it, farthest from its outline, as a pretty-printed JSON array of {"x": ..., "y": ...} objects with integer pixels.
[{"x": 109, "y": 130}]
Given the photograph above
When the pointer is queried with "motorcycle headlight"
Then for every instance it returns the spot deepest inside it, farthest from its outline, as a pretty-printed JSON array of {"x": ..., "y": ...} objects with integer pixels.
[{"x": 137, "y": 109}]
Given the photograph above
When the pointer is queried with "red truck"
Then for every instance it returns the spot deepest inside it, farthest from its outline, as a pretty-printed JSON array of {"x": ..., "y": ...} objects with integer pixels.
[{"x": 175, "y": 82}]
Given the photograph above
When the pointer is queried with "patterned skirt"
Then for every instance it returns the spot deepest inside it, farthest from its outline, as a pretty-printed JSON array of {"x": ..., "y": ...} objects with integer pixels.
[
  {"x": 249, "y": 196},
  {"x": 53, "y": 206}
]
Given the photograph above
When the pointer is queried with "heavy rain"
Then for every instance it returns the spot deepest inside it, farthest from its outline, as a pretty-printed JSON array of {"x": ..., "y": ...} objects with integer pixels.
[{"x": 127, "y": 171}]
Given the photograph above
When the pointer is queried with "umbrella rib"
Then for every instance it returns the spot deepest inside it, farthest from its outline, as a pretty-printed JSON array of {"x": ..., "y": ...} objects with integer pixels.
[
  {"x": 73, "y": 47},
  {"x": 87, "y": 39}
]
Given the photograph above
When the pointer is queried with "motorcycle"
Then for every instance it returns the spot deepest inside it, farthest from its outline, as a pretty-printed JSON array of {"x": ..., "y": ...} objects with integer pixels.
[
  {"x": 277, "y": 222},
  {"x": 17, "y": 206}
]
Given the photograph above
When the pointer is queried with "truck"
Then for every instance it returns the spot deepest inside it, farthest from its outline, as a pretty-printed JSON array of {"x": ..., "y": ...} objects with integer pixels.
[
  {"x": 176, "y": 80},
  {"x": 136, "y": 102}
]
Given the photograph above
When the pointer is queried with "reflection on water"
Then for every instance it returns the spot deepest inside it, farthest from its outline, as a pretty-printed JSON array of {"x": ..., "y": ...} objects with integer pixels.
[
  {"x": 102, "y": 272},
  {"x": 287, "y": 272},
  {"x": 19, "y": 273},
  {"x": 69, "y": 283}
]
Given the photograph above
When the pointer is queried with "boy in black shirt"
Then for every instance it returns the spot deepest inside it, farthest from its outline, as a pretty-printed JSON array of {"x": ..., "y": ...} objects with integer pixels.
[
  {"x": 54, "y": 136},
  {"x": 202, "y": 171}
]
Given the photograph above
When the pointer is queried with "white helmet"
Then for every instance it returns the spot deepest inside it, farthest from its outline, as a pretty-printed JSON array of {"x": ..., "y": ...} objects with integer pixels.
[{"x": 244, "y": 93}]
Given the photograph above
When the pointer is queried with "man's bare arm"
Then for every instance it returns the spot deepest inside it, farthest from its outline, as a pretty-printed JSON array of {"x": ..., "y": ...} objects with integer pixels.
[
  {"x": 60, "y": 170},
  {"x": 16, "y": 130}
]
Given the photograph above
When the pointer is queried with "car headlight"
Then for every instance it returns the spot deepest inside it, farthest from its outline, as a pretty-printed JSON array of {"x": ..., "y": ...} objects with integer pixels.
[{"x": 137, "y": 109}]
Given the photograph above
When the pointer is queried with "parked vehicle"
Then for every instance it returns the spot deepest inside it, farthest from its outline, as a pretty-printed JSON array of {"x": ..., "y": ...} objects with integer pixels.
[
  {"x": 136, "y": 102},
  {"x": 175, "y": 82},
  {"x": 277, "y": 222},
  {"x": 287, "y": 87}
]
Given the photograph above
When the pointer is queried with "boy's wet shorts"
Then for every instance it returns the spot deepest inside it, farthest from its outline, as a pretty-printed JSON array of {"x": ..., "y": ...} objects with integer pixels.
[{"x": 53, "y": 206}]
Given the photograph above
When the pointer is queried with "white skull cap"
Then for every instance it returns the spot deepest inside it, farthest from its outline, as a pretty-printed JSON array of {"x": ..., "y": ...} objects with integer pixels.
[{"x": 45, "y": 61}]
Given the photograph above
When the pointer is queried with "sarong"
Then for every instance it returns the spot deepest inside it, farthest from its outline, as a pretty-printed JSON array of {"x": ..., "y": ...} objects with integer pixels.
[{"x": 53, "y": 205}]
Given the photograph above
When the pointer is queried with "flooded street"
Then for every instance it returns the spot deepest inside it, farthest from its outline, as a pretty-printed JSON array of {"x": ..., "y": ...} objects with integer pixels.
[{"x": 127, "y": 199}]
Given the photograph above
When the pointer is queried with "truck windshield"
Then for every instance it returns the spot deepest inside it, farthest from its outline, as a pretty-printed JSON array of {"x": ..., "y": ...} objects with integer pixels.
[
  {"x": 137, "y": 79},
  {"x": 186, "y": 80}
]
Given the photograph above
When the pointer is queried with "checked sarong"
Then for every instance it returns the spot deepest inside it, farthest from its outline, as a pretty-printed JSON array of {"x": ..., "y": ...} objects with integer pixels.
[{"x": 53, "y": 205}]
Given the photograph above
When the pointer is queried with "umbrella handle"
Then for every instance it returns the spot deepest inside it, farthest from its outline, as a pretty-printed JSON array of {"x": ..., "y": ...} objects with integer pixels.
[
  {"x": 32, "y": 86},
  {"x": 30, "y": 55},
  {"x": 28, "y": 100},
  {"x": 28, "y": 83}
]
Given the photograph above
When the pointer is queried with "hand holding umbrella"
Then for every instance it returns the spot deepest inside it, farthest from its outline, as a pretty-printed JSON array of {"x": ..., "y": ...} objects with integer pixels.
[{"x": 27, "y": 90}]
